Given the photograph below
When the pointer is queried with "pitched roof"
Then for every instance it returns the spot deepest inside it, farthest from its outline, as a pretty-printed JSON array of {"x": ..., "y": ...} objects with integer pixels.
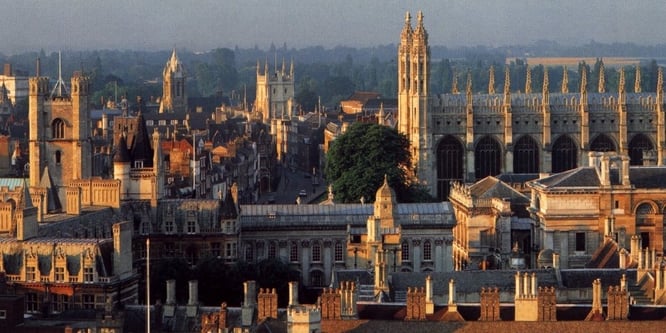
[{"x": 491, "y": 187}]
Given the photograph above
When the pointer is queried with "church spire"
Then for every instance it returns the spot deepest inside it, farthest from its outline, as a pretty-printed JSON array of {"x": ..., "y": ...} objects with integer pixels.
[
  {"x": 507, "y": 85},
  {"x": 454, "y": 85},
  {"x": 637, "y": 81},
  {"x": 565, "y": 81},
  {"x": 528, "y": 79},
  {"x": 491, "y": 81},
  {"x": 602, "y": 78},
  {"x": 406, "y": 33}
]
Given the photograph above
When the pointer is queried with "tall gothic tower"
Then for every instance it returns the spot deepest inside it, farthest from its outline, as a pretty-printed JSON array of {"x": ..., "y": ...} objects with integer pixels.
[
  {"x": 275, "y": 92},
  {"x": 413, "y": 98},
  {"x": 59, "y": 131},
  {"x": 174, "y": 99}
]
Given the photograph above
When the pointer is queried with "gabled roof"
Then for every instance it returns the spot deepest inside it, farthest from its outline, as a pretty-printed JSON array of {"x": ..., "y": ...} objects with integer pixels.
[{"x": 491, "y": 187}]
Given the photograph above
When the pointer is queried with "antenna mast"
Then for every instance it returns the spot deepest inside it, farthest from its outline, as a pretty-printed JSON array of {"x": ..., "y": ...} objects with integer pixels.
[{"x": 60, "y": 84}]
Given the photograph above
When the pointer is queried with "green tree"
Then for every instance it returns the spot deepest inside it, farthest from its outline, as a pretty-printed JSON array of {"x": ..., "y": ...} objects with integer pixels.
[{"x": 358, "y": 160}]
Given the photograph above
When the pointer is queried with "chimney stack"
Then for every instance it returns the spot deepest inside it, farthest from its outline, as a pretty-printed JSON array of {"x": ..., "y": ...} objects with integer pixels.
[{"x": 293, "y": 293}]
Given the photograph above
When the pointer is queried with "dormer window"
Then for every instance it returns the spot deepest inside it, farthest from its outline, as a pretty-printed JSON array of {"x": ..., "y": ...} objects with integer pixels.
[{"x": 138, "y": 164}]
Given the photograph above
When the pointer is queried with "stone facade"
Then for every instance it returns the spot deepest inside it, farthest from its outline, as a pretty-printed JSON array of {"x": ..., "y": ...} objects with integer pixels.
[
  {"x": 465, "y": 136},
  {"x": 574, "y": 210}
]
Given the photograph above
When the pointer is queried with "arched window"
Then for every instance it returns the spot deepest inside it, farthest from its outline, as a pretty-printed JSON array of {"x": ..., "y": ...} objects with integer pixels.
[
  {"x": 449, "y": 165},
  {"x": 427, "y": 250},
  {"x": 316, "y": 252},
  {"x": 404, "y": 253},
  {"x": 526, "y": 156},
  {"x": 293, "y": 252},
  {"x": 272, "y": 250},
  {"x": 644, "y": 214},
  {"x": 316, "y": 278},
  {"x": 339, "y": 252},
  {"x": 487, "y": 158},
  {"x": 58, "y": 129},
  {"x": 602, "y": 143},
  {"x": 565, "y": 154},
  {"x": 639, "y": 143}
]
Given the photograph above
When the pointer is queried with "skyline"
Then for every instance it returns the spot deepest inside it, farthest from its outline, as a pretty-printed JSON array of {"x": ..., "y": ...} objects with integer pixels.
[{"x": 208, "y": 24}]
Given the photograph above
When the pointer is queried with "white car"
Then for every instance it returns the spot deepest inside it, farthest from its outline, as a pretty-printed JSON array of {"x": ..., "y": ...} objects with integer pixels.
[{"x": 303, "y": 193}]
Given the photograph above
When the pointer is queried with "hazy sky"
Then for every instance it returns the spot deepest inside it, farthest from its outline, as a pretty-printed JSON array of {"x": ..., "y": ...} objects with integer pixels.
[{"x": 206, "y": 24}]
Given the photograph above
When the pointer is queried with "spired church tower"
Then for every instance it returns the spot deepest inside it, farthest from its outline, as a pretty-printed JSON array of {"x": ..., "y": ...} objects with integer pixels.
[
  {"x": 174, "y": 99},
  {"x": 413, "y": 98},
  {"x": 59, "y": 131}
]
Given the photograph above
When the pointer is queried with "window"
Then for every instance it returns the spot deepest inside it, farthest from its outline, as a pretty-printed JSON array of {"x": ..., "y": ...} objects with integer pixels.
[
  {"x": 271, "y": 250},
  {"x": 60, "y": 274},
  {"x": 88, "y": 301},
  {"x": 3, "y": 314},
  {"x": 191, "y": 227},
  {"x": 174, "y": 122},
  {"x": 293, "y": 252},
  {"x": 249, "y": 253},
  {"x": 58, "y": 129},
  {"x": 317, "y": 279},
  {"x": 58, "y": 157},
  {"x": 162, "y": 122},
  {"x": 215, "y": 249},
  {"x": 88, "y": 275},
  {"x": 230, "y": 250},
  {"x": 60, "y": 302},
  {"x": 149, "y": 122},
  {"x": 31, "y": 302},
  {"x": 138, "y": 164},
  {"x": 580, "y": 242},
  {"x": 169, "y": 227},
  {"x": 405, "y": 251},
  {"x": 30, "y": 274},
  {"x": 427, "y": 250},
  {"x": 316, "y": 252},
  {"x": 339, "y": 252}
]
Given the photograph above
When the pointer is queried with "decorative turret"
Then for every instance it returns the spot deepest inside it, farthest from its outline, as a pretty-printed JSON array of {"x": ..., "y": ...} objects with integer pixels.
[
  {"x": 507, "y": 86},
  {"x": 468, "y": 88},
  {"x": 528, "y": 79},
  {"x": 565, "y": 81},
  {"x": 545, "y": 96},
  {"x": 637, "y": 80},
  {"x": 622, "y": 112},
  {"x": 385, "y": 207},
  {"x": 602, "y": 78},
  {"x": 454, "y": 84},
  {"x": 491, "y": 81}
]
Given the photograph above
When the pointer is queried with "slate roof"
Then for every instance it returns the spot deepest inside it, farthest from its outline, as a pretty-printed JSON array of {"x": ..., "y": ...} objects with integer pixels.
[
  {"x": 647, "y": 177},
  {"x": 339, "y": 215},
  {"x": 469, "y": 281},
  {"x": 583, "y": 278},
  {"x": 579, "y": 177},
  {"x": 491, "y": 187}
]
